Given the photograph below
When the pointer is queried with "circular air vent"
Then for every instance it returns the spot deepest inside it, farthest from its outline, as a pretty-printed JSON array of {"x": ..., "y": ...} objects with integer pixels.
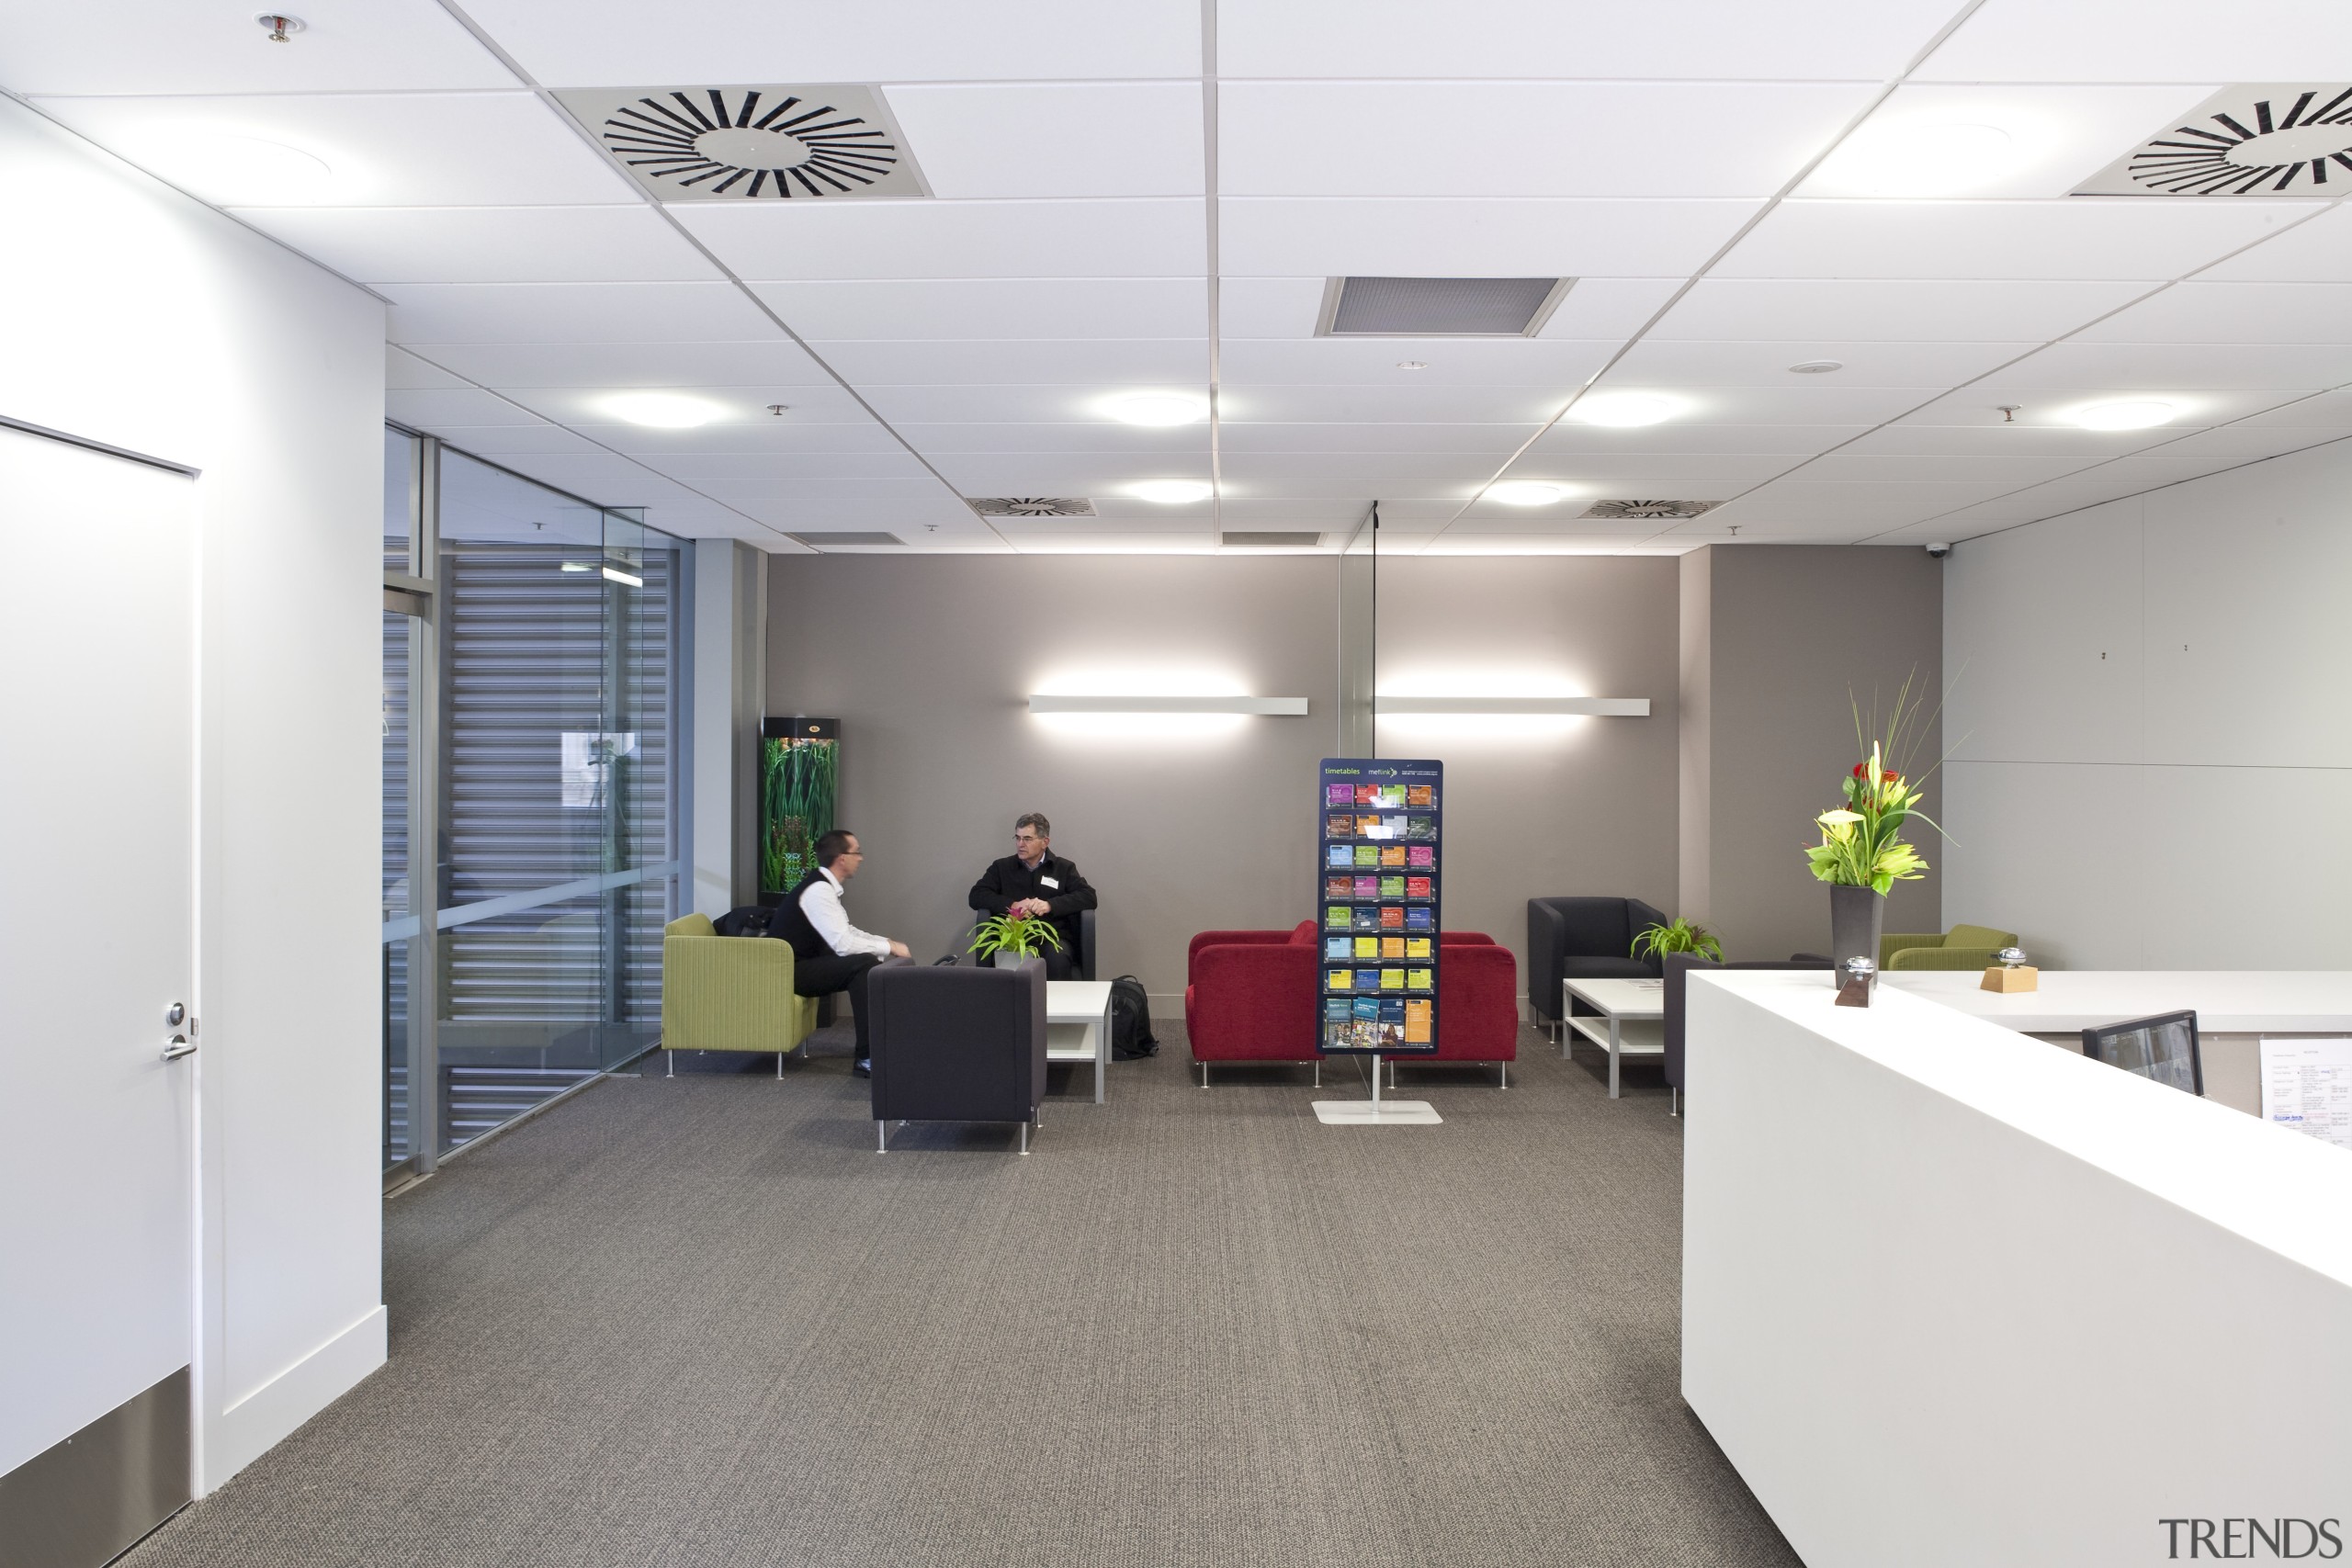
[
  {"x": 2244, "y": 140},
  {"x": 1033, "y": 506},
  {"x": 1649, "y": 510},
  {"x": 746, "y": 143}
]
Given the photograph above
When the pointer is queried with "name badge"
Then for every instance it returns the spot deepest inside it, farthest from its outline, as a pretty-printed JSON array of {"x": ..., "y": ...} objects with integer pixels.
[{"x": 1047, "y": 882}]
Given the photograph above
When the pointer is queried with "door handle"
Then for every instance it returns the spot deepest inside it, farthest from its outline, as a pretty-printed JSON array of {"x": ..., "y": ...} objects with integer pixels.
[{"x": 180, "y": 1047}]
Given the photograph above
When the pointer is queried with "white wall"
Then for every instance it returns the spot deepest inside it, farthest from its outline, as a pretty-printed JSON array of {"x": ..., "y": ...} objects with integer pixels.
[
  {"x": 2151, "y": 762},
  {"x": 135, "y": 316}
]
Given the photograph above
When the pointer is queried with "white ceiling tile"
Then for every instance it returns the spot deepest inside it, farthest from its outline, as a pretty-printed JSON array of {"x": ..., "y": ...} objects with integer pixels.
[
  {"x": 741, "y": 406},
  {"x": 1682, "y": 436},
  {"x": 1804, "y": 403},
  {"x": 1270, "y": 307},
  {"x": 430, "y": 409},
  {"x": 488, "y": 244},
  {"x": 1613, "y": 308},
  {"x": 2153, "y": 240},
  {"x": 1885, "y": 505},
  {"x": 1299, "y": 404},
  {"x": 1064, "y": 473},
  {"x": 1664, "y": 362},
  {"x": 2058, "y": 137},
  {"x": 573, "y": 313},
  {"x": 1143, "y": 441},
  {"x": 405, "y": 372},
  {"x": 604, "y": 478},
  {"x": 893, "y": 504},
  {"x": 1053, "y": 140},
  {"x": 748, "y": 435},
  {"x": 1446, "y": 362},
  {"x": 382, "y": 148},
  {"x": 2234, "y": 313},
  {"x": 1814, "y": 39},
  {"x": 921, "y": 493},
  {"x": 693, "y": 468},
  {"x": 1490, "y": 441},
  {"x": 501, "y": 441},
  {"x": 1912, "y": 311},
  {"x": 2142, "y": 40},
  {"x": 1357, "y": 473},
  {"x": 1012, "y": 404},
  {"x": 2178, "y": 367},
  {"x": 1627, "y": 474},
  {"x": 2328, "y": 410},
  {"x": 935, "y": 309},
  {"x": 169, "y": 46},
  {"x": 1473, "y": 237},
  {"x": 2014, "y": 472},
  {"x": 1240, "y": 512},
  {"x": 1108, "y": 238},
  {"x": 1510, "y": 139},
  {"x": 1980, "y": 406},
  {"x": 2316, "y": 251},
  {"x": 1991, "y": 438},
  {"x": 615, "y": 43},
  {"x": 868, "y": 365},
  {"x": 775, "y": 362}
]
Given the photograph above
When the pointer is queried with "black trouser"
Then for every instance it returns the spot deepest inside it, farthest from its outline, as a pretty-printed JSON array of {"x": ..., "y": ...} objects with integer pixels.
[
  {"x": 1060, "y": 964},
  {"x": 823, "y": 977}
]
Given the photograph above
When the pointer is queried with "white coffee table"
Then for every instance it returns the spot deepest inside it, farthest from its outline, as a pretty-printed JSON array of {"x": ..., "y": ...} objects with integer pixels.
[
  {"x": 1078, "y": 1025},
  {"x": 1631, "y": 1021}
]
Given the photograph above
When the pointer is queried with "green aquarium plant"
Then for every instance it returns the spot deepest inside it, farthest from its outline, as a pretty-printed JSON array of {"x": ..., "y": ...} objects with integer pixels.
[
  {"x": 1023, "y": 936},
  {"x": 1678, "y": 935},
  {"x": 797, "y": 780}
]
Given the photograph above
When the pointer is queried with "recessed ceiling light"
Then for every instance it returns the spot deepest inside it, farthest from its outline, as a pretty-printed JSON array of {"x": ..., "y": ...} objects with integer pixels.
[
  {"x": 1625, "y": 410},
  {"x": 1171, "y": 492},
  {"x": 2138, "y": 414},
  {"x": 1817, "y": 367},
  {"x": 1924, "y": 158},
  {"x": 230, "y": 168},
  {"x": 1158, "y": 407},
  {"x": 1524, "y": 492},
  {"x": 663, "y": 410}
]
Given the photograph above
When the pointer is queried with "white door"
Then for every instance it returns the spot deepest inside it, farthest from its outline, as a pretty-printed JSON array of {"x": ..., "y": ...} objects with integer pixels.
[{"x": 96, "y": 1128}]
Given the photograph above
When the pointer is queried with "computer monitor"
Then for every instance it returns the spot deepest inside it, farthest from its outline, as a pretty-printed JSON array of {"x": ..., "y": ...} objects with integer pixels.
[{"x": 2163, "y": 1048}]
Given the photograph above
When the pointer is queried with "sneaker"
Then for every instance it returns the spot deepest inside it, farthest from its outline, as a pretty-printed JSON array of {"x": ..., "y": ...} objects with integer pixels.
[{"x": 861, "y": 1068}]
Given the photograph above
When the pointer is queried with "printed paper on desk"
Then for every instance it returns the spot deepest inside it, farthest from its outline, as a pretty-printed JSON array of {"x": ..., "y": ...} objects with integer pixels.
[{"x": 2307, "y": 1088}]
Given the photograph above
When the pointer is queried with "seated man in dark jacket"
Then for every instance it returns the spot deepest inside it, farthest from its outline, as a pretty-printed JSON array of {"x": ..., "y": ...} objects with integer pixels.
[{"x": 1033, "y": 880}]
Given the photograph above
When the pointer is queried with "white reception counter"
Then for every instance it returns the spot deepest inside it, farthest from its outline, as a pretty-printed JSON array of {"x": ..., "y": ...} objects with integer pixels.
[{"x": 1950, "y": 1297}]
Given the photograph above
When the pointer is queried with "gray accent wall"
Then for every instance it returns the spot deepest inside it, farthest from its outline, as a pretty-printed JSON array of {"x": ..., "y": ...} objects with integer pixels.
[
  {"x": 1777, "y": 636},
  {"x": 729, "y": 616},
  {"x": 927, "y": 661}
]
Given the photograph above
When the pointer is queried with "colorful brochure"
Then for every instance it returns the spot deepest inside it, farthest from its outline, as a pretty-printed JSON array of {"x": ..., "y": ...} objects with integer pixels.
[
  {"x": 1415, "y": 887},
  {"x": 1391, "y": 979}
]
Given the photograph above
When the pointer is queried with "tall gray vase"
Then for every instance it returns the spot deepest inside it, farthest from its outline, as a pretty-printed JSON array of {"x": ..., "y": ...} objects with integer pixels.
[{"x": 1855, "y": 915}]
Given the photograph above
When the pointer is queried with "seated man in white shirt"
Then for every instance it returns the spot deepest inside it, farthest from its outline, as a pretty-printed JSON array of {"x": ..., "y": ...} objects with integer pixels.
[{"x": 829, "y": 954}]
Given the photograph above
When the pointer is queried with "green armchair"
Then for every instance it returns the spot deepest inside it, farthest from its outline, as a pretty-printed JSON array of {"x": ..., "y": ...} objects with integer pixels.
[
  {"x": 729, "y": 993},
  {"x": 1962, "y": 947}
]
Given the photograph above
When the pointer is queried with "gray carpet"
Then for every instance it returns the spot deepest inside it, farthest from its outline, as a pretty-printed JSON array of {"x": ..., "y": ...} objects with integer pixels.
[{"x": 699, "y": 1322}]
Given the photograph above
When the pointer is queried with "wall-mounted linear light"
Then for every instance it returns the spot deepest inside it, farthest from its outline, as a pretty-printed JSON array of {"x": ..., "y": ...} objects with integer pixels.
[
  {"x": 1040, "y": 702},
  {"x": 615, "y": 575},
  {"x": 1599, "y": 707}
]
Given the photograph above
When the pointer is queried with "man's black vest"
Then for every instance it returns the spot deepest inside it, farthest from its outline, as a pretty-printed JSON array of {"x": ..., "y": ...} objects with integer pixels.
[{"x": 790, "y": 923}]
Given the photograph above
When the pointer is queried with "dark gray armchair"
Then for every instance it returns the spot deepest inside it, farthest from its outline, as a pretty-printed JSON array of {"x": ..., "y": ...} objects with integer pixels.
[
  {"x": 1569, "y": 938},
  {"x": 1678, "y": 1007},
  {"x": 956, "y": 1043}
]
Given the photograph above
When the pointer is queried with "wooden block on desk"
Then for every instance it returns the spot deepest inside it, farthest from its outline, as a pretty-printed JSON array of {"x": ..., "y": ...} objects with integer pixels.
[{"x": 2024, "y": 977}]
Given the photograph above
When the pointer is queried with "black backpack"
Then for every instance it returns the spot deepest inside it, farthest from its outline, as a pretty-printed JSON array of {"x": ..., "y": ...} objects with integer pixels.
[{"x": 1131, "y": 1020}]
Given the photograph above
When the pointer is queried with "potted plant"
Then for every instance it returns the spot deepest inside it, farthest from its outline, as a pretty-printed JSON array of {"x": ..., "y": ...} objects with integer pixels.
[
  {"x": 1678, "y": 935},
  {"x": 1021, "y": 936},
  {"x": 1862, "y": 852}
]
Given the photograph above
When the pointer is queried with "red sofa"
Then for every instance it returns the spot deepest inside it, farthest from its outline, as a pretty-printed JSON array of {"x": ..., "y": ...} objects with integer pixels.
[
  {"x": 1477, "y": 1004},
  {"x": 1249, "y": 997}
]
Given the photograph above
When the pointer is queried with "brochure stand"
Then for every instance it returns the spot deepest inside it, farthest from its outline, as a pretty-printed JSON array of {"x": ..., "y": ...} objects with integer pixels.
[{"x": 1380, "y": 858}]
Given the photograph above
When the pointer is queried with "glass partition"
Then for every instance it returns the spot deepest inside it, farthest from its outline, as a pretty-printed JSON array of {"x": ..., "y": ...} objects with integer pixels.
[{"x": 554, "y": 626}]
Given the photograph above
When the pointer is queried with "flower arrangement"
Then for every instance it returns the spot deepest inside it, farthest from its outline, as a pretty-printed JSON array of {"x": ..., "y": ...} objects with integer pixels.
[
  {"x": 1023, "y": 936},
  {"x": 1678, "y": 935},
  {"x": 1861, "y": 841}
]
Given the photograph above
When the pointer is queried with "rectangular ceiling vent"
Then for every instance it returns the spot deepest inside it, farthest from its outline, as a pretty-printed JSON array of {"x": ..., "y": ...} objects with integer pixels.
[
  {"x": 844, "y": 541},
  {"x": 1267, "y": 539},
  {"x": 1648, "y": 510},
  {"x": 1032, "y": 506},
  {"x": 1439, "y": 307},
  {"x": 772, "y": 143},
  {"x": 2256, "y": 139}
]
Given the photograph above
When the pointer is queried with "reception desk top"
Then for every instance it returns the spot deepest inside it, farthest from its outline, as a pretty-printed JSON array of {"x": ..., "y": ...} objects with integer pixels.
[{"x": 2227, "y": 1002}]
